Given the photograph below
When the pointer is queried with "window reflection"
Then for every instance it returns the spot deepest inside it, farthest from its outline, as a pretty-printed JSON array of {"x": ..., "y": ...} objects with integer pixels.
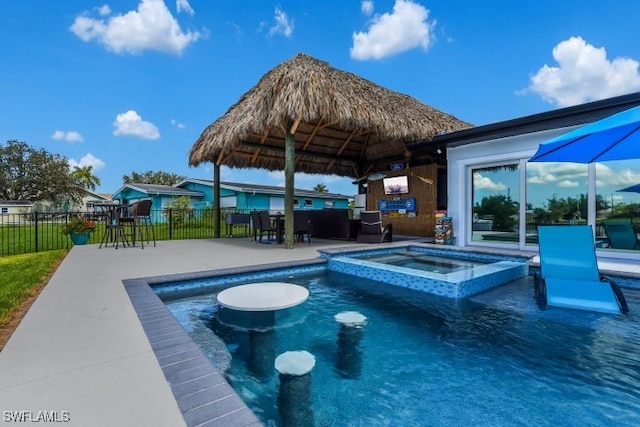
[
  {"x": 618, "y": 205},
  {"x": 556, "y": 194},
  {"x": 495, "y": 204}
]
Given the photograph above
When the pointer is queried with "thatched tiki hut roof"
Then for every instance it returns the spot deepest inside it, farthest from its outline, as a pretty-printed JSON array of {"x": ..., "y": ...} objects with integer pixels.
[
  {"x": 343, "y": 123},
  {"x": 334, "y": 121}
]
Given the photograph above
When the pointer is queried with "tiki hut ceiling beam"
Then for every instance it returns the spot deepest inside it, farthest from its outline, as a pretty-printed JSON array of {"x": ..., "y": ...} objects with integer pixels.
[
  {"x": 255, "y": 156},
  {"x": 294, "y": 127},
  {"x": 262, "y": 141},
  {"x": 318, "y": 127},
  {"x": 280, "y": 149},
  {"x": 223, "y": 158},
  {"x": 364, "y": 146},
  {"x": 347, "y": 141},
  {"x": 280, "y": 140},
  {"x": 341, "y": 149}
]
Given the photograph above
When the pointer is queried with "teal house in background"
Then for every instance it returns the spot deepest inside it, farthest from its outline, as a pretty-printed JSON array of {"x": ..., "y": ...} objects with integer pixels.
[
  {"x": 160, "y": 195},
  {"x": 248, "y": 197},
  {"x": 233, "y": 196}
]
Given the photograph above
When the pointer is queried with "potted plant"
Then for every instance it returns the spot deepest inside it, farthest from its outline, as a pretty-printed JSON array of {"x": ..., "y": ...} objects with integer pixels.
[{"x": 78, "y": 229}]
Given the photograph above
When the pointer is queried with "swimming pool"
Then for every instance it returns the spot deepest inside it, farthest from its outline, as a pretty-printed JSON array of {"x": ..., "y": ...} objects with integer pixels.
[{"x": 491, "y": 359}]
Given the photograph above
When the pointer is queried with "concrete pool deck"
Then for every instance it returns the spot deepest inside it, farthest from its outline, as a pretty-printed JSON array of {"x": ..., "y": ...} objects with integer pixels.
[{"x": 81, "y": 352}]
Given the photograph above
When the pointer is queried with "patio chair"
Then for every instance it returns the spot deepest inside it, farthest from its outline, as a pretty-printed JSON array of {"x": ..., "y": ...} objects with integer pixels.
[
  {"x": 569, "y": 274},
  {"x": 114, "y": 229},
  {"x": 139, "y": 222},
  {"x": 262, "y": 224},
  {"x": 301, "y": 225},
  {"x": 621, "y": 235},
  {"x": 371, "y": 229}
]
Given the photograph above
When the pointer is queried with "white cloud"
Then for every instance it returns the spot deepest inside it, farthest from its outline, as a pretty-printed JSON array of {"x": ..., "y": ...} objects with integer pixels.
[
  {"x": 104, "y": 10},
  {"x": 184, "y": 6},
  {"x": 283, "y": 25},
  {"x": 568, "y": 184},
  {"x": 404, "y": 29},
  {"x": 484, "y": 183},
  {"x": 150, "y": 27},
  {"x": 573, "y": 175},
  {"x": 366, "y": 7},
  {"x": 69, "y": 136},
  {"x": 618, "y": 178},
  {"x": 584, "y": 74},
  {"x": 550, "y": 173},
  {"x": 87, "y": 160},
  {"x": 177, "y": 124},
  {"x": 131, "y": 124}
]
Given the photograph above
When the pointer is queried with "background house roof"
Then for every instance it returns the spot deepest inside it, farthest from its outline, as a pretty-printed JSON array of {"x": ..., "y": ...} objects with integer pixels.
[
  {"x": 160, "y": 190},
  {"x": 16, "y": 203}
]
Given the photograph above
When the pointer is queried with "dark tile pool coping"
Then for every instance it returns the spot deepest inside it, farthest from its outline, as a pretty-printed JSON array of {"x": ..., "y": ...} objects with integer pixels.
[{"x": 202, "y": 393}]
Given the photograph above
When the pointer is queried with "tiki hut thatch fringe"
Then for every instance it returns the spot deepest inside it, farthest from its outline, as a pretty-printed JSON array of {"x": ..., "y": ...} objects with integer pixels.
[{"x": 338, "y": 123}]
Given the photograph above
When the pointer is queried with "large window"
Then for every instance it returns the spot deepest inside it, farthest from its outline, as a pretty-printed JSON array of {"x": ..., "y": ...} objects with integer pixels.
[
  {"x": 495, "y": 202},
  {"x": 605, "y": 195}
]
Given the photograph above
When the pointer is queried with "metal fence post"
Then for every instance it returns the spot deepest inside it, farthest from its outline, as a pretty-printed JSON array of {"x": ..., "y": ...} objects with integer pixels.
[
  {"x": 170, "y": 223},
  {"x": 36, "y": 231}
]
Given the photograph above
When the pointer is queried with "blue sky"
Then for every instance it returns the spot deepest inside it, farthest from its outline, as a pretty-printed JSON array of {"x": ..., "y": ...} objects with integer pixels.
[{"x": 129, "y": 85}]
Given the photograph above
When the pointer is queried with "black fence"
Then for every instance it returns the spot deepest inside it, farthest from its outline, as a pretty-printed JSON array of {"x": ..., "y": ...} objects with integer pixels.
[{"x": 42, "y": 231}]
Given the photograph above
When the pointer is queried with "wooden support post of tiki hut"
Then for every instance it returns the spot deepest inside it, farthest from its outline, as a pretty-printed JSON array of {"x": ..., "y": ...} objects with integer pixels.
[{"x": 289, "y": 171}]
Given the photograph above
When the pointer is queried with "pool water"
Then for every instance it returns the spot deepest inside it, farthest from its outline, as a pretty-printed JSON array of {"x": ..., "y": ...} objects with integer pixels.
[
  {"x": 492, "y": 359},
  {"x": 420, "y": 261}
]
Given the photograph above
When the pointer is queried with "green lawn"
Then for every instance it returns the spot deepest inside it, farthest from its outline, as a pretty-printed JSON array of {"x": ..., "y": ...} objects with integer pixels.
[{"x": 22, "y": 275}]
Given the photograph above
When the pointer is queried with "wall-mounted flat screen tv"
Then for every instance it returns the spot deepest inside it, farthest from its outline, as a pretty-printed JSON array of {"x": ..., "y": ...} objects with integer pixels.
[{"x": 396, "y": 185}]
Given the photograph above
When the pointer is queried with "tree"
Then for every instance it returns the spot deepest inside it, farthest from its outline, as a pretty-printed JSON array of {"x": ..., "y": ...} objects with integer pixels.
[
  {"x": 321, "y": 188},
  {"x": 180, "y": 210},
  {"x": 501, "y": 208},
  {"x": 30, "y": 174},
  {"x": 85, "y": 178},
  {"x": 156, "y": 178}
]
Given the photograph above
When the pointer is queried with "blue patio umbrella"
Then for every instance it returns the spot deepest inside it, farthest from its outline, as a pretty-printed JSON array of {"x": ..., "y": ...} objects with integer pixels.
[
  {"x": 632, "y": 189},
  {"x": 616, "y": 137}
]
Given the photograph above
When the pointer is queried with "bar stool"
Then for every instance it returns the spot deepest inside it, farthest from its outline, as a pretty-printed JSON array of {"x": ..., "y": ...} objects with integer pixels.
[
  {"x": 140, "y": 223},
  {"x": 114, "y": 229}
]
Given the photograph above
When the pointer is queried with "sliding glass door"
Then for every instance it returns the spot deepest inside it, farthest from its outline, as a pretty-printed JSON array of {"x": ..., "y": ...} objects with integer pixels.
[{"x": 495, "y": 204}]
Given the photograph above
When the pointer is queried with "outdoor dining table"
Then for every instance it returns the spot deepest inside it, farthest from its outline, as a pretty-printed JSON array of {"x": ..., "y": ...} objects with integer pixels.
[{"x": 111, "y": 209}]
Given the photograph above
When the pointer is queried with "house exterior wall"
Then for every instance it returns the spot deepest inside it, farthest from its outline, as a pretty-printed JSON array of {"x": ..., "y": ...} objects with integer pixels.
[
  {"x": 207, "y": 190},
  {"x": 460, "y": 161},
  {"x": 10, "y": 209}
]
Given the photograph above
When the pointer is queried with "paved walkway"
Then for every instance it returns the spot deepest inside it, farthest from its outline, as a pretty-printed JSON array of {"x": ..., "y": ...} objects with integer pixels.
[{"x": 81, "y": 348}]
